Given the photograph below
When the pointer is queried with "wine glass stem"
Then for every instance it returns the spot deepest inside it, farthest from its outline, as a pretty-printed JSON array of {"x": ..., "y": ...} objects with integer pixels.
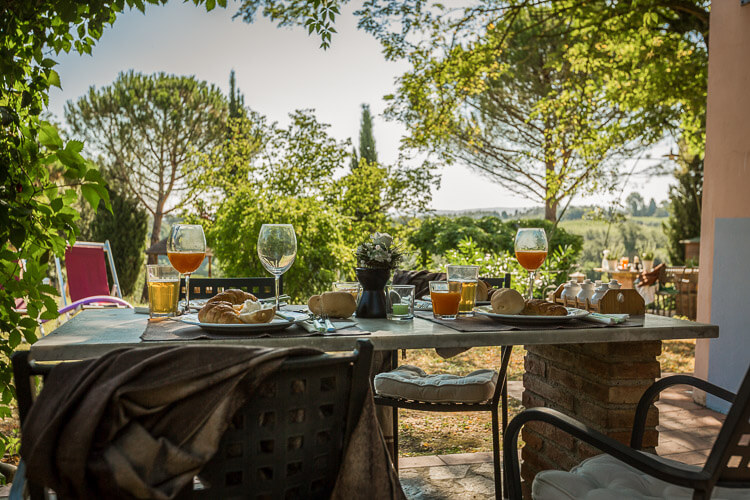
[
  {"x": 276, "y": 276},
  {"x": 532, "y": 275},
  {"x": 187, "y": 293}
]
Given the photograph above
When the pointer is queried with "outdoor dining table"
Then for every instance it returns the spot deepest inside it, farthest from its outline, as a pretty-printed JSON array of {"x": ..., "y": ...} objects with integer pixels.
[{"x": 596, "y": 374}]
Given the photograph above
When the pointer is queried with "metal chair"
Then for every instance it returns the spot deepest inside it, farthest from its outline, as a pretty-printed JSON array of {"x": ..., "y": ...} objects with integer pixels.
[
  {"x": 287, "y": 442},
  {"x": 87, "y": 277},
  {"x": 727, "y": 464},
  {"x": 205, "y": 288},
  {"x": 499, "y": 399}
]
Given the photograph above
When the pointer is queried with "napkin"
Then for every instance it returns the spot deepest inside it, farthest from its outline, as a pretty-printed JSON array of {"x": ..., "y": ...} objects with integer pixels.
[{"x": 607, "y": 319}]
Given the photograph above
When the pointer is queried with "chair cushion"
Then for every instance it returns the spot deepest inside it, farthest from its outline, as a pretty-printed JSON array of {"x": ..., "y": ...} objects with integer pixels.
[
  {"x": 411, "y": 382},
  {"x": 603, "y": 477}
]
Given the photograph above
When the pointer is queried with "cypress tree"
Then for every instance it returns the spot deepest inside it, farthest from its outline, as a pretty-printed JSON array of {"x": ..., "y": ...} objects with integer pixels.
[
  {"x": 685, "y": 207},
  {"x": 366, "y": 139},
  {"x": 236, "y": 99}
]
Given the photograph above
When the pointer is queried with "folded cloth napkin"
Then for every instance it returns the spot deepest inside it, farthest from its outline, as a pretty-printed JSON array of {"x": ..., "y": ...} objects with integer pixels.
[{"x": 607, "y": 319}]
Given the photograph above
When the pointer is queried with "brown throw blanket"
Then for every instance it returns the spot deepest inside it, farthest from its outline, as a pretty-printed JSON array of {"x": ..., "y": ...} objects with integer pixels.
[
  {"x": 140, "y": 423},
  {"x": 420, "y": 280}
]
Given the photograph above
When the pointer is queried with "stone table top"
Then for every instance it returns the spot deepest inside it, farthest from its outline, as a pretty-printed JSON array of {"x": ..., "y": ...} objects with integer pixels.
[{"x": 94, "y": 332}]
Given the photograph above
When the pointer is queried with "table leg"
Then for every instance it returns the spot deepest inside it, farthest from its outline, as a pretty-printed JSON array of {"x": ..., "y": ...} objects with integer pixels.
[{"x": 599, "y": 384}]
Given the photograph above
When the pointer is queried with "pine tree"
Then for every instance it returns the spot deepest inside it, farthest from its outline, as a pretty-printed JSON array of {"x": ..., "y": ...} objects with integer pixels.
[
  {"x": 366, "y": 139},
  {"x": 236, "y": 99}
]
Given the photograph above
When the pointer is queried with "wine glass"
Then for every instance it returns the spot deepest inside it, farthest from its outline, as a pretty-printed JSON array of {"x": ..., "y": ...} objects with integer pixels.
[
  {"x": 531, "y": 250},
  {"x": 277, "y": 248},
  {"x": 186, "y": 248}
]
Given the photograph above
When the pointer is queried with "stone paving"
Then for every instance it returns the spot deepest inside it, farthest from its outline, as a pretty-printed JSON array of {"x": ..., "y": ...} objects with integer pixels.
[{"x": 686, "y": 433}]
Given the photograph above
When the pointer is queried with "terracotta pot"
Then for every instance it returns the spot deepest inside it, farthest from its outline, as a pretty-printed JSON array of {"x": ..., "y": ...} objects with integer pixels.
[{"x": 372, "y": 301}]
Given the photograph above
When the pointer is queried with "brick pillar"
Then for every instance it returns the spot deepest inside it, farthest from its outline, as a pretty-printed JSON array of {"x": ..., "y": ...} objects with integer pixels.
[{"x": 599, "y": 384}]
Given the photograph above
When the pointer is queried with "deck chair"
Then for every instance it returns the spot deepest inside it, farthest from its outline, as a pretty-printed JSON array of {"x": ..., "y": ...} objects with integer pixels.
[
  {"x": 286, "y": 442},
  {"x": 626, "y": 472},
  {"x": 87, "y": 277}
]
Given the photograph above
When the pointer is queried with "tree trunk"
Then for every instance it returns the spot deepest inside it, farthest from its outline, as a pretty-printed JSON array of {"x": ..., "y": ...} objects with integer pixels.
[
  {"x": 155, "y": 233},
  {"x": 550, "y": 210}
]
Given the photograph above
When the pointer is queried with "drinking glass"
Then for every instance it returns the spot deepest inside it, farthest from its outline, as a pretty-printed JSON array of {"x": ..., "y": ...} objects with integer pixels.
[
  {"x": 353, "y": 287},
  {"x": 277, "y": 248},
  {"x": 163, "y": 290},
  {"x": 399, "y": 302},
  {"x": 445, "y": 296},
  {"x": 186, "y": 248},
  {"x": 531, "y": 251},
  {"x": 468, "y": 276}
]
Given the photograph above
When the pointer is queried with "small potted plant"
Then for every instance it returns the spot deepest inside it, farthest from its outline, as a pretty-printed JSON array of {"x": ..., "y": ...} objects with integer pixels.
[
  {"x": 375, "y": 258},
  {"x": 647, "y": 256},
  {"x": 610, "y": 257}
]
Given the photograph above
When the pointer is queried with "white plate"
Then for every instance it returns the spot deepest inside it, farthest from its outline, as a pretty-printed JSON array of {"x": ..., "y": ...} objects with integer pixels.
[
  {"x": 240, "y": 328},
  {"x": 573, "y": 313}
]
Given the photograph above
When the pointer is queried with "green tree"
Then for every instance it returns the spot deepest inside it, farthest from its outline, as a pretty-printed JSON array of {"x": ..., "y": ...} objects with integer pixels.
[
  {"x": 144, "y": 128},
  {"x": 236, "y": 99},
  {"x": 634, "y": 203},
  {"x": 651, "y": 209},
  {"x": 367, "y": 149},
  {"x": 685, "y": 200},
  {"x": 437, "y": 235},
  {"x": 125, "y": 227},
  {"x": 38, "y": 211}
]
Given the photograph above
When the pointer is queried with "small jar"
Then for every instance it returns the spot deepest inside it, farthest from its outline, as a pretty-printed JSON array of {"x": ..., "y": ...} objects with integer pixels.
[
  {"x": 587, "y": 291},
  {"x": 568, "y": 293},
  {"x": 600, "y": 292},
  {"x": 575, "y": 287},
  {"x": 614, "y": 285}
]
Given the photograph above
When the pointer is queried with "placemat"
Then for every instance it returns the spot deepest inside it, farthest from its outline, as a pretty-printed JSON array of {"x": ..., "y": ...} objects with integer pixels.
[
  {"x": 485, "y": 324},
  {"x": 174, "y": 330}
]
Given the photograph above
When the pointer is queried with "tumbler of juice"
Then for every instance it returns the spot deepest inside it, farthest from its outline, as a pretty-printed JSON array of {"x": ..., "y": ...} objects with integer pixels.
[{"x": 445, "y": 296}]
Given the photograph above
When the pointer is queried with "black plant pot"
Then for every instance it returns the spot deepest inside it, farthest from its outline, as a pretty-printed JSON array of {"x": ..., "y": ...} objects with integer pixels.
[{"x": 372, "y": 301}]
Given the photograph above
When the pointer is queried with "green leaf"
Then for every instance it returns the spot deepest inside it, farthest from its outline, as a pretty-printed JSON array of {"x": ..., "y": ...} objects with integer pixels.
[
  {"x": 54, "y": 79},
  {"x": 210, "y": 4},
  {"x": 90, "y": 193},
  {"x": 48, "y": 63},
  {"x": 49, "y": 137}
]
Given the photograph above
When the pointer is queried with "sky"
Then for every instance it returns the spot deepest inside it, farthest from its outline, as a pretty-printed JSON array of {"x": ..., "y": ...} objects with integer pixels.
[{"x": 283, "y": 69}]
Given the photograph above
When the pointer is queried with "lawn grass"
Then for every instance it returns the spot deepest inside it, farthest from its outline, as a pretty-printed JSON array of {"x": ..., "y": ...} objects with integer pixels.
[{"x": 426, "y": 433}]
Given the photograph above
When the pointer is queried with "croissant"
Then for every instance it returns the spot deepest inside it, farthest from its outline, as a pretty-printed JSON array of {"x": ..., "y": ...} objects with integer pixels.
[
  {"x": 218, "y": 312},
  {"x": 539, "y": 307},
  {"x": 233, "y": 296}
]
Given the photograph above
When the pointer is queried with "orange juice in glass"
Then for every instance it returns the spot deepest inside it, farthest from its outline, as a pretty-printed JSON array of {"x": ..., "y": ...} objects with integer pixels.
[
  {"x": 186, "y": 248},
  {"x": 531, "y": 251},
  {"x": 445, "y": 297}
]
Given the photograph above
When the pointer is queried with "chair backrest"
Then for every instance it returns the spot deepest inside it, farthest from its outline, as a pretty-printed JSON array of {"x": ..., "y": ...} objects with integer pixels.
[
  {"x": 729, "y": 460},
  {"x": 287, "y": 441},
  {"x": 500, "y": 282},
  {"x": 205, "y": 288},
  {"x": 87, "y": 271}
]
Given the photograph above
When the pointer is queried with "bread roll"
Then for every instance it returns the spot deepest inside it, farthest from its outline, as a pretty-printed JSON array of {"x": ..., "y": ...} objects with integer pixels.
[
  {"x": 218, "y": 312},
  {"x": 507, "y": 301},
  {"x": 482, "y": 290},
  {"x": 539, "y": 307},
  {"x": 233, "y": 296},
  {"x": 333, "y": 304}
]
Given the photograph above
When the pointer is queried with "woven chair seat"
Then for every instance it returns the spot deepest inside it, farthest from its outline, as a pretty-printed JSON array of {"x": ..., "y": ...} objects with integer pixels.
[{"x": 411, "y": 383}]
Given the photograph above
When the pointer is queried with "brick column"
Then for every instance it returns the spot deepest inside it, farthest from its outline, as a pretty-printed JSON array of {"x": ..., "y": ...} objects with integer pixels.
[{"x": 599, "y": 384}]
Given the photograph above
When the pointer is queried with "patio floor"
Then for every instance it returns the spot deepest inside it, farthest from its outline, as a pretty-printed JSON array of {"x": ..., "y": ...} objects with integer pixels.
[{"x": 686, "y": 433}]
